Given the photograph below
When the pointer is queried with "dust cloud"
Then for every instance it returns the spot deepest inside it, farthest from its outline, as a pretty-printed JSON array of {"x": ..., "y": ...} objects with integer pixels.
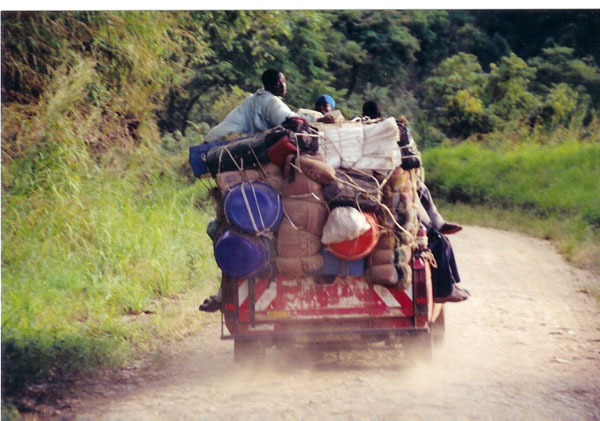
[{"x": 526, "y": 345}]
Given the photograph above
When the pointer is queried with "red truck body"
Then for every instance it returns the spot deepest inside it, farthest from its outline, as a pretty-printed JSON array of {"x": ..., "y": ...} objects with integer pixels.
[{"x": 260, "y": 312}]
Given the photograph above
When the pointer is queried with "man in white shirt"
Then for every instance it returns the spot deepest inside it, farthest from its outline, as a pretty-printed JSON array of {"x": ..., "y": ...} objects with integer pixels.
[{"x": 260, "y": 111}]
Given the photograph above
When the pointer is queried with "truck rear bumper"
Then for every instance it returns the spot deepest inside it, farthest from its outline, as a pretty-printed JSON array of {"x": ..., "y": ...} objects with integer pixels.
[{"x": 326, "y": 334}]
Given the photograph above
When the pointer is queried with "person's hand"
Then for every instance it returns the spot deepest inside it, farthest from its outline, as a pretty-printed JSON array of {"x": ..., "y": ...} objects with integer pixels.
[{"x": 326, "y": 119}]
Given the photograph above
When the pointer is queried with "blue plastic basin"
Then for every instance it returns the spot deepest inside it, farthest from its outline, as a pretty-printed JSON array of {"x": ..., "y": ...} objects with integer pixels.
[
  {"x": 240, "y": 255},
  {"x": 253, "y": 207}
]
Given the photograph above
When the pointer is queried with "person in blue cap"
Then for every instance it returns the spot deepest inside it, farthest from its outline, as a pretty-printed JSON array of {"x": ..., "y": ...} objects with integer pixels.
[{"x": 325, "y": 104}]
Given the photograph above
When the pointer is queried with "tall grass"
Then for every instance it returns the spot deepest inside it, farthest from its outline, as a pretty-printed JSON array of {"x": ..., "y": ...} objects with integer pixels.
[
  {"x": 99, "y": 221},
  {"x": 78, "y": 257},
  {"x": 554, "y": 183}
]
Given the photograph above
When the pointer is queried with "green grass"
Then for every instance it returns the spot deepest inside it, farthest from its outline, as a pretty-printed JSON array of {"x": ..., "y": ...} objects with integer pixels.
[
  {"x": 84, "y": 255},
  {"x": 551, "y": 191}
]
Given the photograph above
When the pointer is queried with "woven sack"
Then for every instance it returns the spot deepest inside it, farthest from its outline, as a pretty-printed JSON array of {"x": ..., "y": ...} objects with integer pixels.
[
  {"x": 387, "y": 240},
  {"x": 316, "y": 170},
  {"x": 353, "y": 189},
  {"x": 404, "y": 271},
  {"x": 270, "y": 174},
  {"x": 307, "y": 214},
  {"x": 397, "y": 179},
  {"x": 292, "y": 242},
  {"x": 385, "y": 275},
  {"x": 297, "y": 183},
  {"x": 381, "y": 257},
  {"x": 299, "y": 266}
]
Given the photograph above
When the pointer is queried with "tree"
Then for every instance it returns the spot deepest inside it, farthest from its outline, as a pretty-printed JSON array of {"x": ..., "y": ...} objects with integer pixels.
[
  {"x": 528, "y": 32},
  {"x": 507, "y": 91},
  {"x": 558, "y": 65},
  {"x": 442, "y": 34},
  {"x": 239, "y": 45},
  {"x": 453, "y": 96},
  {"x": 306, "y": 57},
  {"x": 386, "y": 48}
]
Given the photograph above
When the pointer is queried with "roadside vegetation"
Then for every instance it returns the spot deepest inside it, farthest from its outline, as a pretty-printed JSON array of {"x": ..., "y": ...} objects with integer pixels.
[
  {"x": 103, "y": 225},
  {"x": 546, "y": 190}
]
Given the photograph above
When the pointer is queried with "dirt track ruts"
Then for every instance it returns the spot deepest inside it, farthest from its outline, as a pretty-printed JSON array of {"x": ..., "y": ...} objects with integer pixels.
[{"x": 526, "y": 345}]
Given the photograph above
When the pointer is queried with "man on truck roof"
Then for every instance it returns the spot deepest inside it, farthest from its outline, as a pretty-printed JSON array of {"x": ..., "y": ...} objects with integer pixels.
[{"x": 260, "y": 111}]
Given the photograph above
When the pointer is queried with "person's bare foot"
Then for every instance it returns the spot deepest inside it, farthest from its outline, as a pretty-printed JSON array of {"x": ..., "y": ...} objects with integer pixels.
[{"x": 457, "y": 295}]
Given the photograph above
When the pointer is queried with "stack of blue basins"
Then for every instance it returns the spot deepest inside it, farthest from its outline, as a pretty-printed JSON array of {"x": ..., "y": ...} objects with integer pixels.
[{"x": 253, "y": 210}]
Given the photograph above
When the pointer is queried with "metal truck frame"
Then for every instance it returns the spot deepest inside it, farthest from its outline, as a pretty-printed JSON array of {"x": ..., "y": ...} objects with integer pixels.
[{"x": 283, "y": 311}]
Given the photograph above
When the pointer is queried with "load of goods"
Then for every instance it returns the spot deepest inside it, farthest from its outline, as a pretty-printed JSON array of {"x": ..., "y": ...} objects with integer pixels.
[{"x": 319, "y": 200}]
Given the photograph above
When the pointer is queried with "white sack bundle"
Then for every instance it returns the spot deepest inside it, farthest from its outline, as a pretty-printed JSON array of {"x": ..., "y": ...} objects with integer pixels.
[
  {"x": 361, "y": 146},
  {"x": 344, "y": 223}
]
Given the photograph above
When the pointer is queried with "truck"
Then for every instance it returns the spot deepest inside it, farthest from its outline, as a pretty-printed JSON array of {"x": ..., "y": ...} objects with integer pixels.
[
  {"x": 268, "y": 308},
  {"x": 285, "y": 311}
]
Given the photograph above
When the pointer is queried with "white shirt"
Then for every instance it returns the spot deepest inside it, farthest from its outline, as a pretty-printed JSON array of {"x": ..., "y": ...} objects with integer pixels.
[{"x": 259, "y": 112}]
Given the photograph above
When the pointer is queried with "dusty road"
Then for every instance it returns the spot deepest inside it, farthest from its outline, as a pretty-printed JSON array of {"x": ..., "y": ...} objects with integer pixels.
[{"x": 525, "y": 346}]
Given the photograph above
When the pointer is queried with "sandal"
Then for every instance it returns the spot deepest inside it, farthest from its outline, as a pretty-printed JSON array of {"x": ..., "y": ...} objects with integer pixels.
[
  {"x": 449, "y": 228},
  {"x": 210, "y": 305}
]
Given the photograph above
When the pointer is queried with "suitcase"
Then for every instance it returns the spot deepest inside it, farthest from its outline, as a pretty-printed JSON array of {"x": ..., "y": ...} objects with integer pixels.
[{"x": 198, "y": 157}]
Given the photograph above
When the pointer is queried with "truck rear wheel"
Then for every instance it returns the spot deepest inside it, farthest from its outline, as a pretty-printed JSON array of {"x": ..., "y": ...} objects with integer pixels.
[{"x": 248, "y": 351}]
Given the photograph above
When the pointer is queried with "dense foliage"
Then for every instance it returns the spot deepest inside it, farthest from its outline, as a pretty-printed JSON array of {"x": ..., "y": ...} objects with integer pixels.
[
  {"x": 454, "y": 74},
  {"x": 100, "y": 216}
]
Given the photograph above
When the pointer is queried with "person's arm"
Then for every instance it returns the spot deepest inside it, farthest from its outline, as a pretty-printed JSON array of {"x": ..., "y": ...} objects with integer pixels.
[
  {"x": 328, "y": 118},
  {"x": 276, "y": 112}
]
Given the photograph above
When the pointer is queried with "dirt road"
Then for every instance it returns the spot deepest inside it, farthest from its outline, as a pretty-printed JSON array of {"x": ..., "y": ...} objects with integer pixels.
[{"x": 526, "y": 346}]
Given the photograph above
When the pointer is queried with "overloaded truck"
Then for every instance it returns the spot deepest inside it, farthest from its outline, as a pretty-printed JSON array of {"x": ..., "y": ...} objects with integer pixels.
[{"x": 318, "y": 239}]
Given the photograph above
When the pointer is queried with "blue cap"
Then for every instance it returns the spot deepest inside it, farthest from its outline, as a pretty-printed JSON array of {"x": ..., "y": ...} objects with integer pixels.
[{"x": 326, "y": 98}]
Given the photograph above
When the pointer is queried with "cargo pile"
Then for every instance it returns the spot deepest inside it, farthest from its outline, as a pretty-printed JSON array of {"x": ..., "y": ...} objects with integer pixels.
[{"x": 320, "y": 200}]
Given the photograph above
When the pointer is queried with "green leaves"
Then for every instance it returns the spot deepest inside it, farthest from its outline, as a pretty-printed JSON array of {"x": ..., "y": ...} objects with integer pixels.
[{"x": 453, "y": 95}]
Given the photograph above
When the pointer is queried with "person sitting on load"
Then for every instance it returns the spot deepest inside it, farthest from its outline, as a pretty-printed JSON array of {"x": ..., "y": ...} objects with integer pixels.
[
  {"x": 324, "y": 111},
  {"x": 445, "y": 276},
  {"x": 260, "y": 111},
  {"x": 372, "y": 110}
]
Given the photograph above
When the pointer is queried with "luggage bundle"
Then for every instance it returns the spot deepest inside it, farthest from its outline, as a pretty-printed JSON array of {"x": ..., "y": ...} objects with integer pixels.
[
  {"x": 306, "y": 202},
  {"x": 299, "y": 236}
]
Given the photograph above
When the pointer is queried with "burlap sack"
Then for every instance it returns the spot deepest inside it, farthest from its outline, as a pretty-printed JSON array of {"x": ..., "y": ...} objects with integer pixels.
[
  {"x": 381, "y": 257},
  {"x": 387, "y": 240},
  {"x": 297, "y": 183},
  {"x": 270, "y": 174},
  {"x": 385, "y": 275},
  {"x": 397, "y": 179},
  {"x": 352, "y": 188},
  {"x": 316, "y": 170},
  {"x": 307, "y": 214},
  {"x": 299, "y": 266},
  {"x": 226, "y": 180},
  {"x": 292, "y": 242},
  {"x": 404, "y": 271},
  {"x": 403, "y": 255}
]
